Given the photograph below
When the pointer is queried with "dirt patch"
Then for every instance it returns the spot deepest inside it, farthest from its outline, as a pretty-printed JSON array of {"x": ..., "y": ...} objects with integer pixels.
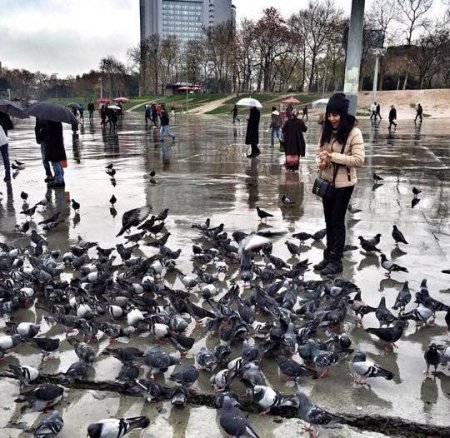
[{"x": 436, "y": 103}]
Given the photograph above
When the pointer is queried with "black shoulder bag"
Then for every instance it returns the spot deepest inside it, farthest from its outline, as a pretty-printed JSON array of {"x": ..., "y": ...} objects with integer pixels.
[{"x": 324, "y": 188}]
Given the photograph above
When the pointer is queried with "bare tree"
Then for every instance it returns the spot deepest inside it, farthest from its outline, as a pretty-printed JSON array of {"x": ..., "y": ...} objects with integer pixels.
[
  {"x": 272, "y": 39},
  {"x": 430, "y": 55},
  {"x": 195, "y": 61},
  {"x": 413, "y": 18},
  {"x": 170, "y": 49},
  {"x": 151, "y": 56},
  {"x": 114, "y": 70},
  {"x": 316, "y": 23}
]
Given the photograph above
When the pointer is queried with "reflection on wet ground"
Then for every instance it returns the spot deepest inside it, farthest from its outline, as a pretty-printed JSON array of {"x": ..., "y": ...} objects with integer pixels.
[{"x": 205, "y": 173}]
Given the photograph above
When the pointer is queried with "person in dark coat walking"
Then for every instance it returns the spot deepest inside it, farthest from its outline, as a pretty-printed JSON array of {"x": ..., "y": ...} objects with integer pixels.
[
  {"x": 91, "y": 109},
  {"x": 55, "y": 153},
  {"x": 378, "y": 112},
  {"x": 294, "y": 143},
  {"x": 39, "y": 131},
  {"x": 6, "y": 124},
  {"x": 234, "y": 111},
  {"x": 419, "y": 113},
  {"x": 392, "y": 116},
  {"x": 252, "y": 134}
]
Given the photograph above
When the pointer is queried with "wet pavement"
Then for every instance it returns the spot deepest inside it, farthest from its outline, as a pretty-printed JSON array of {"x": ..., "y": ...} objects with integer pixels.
[{"x": 205, "y": 173}]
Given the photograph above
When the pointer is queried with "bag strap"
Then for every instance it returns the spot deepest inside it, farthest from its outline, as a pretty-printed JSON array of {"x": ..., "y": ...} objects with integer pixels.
[{"x": 336, "y": 166}]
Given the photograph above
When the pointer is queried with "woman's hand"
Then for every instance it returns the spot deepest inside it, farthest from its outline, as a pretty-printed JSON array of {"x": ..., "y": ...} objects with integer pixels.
[
  {"x": 325, "y": 156},
  {"x": 322, "y": 164}
]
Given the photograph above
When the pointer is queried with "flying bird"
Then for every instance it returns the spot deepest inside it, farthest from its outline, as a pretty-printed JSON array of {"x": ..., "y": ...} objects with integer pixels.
[{"x": 133, "y": 217}]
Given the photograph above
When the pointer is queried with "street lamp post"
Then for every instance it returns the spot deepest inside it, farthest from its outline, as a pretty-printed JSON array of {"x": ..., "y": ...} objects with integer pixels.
[
  {"x": 376, "y": 42},
  {"x": 377, "y": 53}
]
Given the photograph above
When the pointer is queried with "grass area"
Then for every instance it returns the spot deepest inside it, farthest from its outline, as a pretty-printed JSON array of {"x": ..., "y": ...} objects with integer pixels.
[
  {"x": 196, "y": 100},
  {"x": 178, "y": 101}
]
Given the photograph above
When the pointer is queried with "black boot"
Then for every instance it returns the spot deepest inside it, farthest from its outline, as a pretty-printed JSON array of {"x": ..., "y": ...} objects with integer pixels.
[
  {"x": 324, "y": 262},
  {"x": 334, "y": 265}
]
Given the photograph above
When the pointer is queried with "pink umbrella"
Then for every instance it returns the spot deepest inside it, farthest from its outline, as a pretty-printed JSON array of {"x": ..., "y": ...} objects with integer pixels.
[
  {"x": 291, "y": 99},
  {"x": 121, "y": 99},
  {"x": 103, "y": 100}
]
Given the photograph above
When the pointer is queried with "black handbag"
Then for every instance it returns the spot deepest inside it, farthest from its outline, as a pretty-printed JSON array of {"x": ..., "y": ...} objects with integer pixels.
[{"x": 324, "y": 188}]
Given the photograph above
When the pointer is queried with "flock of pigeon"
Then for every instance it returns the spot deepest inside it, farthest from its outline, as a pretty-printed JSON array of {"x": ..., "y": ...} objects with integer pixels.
[{"x": 267, "y": 312}]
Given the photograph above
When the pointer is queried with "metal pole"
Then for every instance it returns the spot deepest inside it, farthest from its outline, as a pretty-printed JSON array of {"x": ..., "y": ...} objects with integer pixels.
[
  {"x": 354, "y": 50},
  {"x": 375, "y": 78}
]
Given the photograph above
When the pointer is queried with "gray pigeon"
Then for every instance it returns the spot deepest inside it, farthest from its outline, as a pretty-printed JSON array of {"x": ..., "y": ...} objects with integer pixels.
[
  {"x": 233, "y": 421},
  {"x": 365, "y": 368},
  {"x": 398, "y": 236},
  {"x": 116, "y": 427},
  {"x": 49, "y": 426},
  {"x": 314, "y": 415}
]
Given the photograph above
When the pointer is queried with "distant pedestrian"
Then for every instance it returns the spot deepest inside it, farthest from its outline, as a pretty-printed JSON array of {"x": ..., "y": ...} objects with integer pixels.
[
  {"x": 165, "y": 124},
  {"x": 252, "y": 134},
  {"x": 373, "y": 111},
  {"x": 91, "y": 109},
  {"x": 103, "y": 115},
  {"x": 5, "y": 125},
  {"x": 392, "y": 117},
  {"x": 40, "y": 130},
  {"x": 81, "y": 111},
  {"x": 147, "y": 113},
  {"x": 378, "y": 112},
  {"x": 305, "y": 113},
  {"x": 155, "y": 115},
  {"x": 419, "y": 113},
  {"x": 275, "y": 125},
  {"x": 234, "y": 111},
  {"x": 289, "y": 110},
  {"x": 294, "y": 143}
]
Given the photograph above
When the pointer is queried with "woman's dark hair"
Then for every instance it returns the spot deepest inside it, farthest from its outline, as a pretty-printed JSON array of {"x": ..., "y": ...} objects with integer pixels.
[{"x": 345, "y": 126}]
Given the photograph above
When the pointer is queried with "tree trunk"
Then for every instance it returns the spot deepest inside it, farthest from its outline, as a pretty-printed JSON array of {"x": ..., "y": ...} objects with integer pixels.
[{"x": 405, "y": 81}]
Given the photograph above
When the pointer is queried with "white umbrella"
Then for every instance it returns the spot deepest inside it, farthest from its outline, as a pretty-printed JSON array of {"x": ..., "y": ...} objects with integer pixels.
[
  {"x": 320, "y": 103},
  {"x": 249, "y": 101},
  {"x": 114, "y": 107}
]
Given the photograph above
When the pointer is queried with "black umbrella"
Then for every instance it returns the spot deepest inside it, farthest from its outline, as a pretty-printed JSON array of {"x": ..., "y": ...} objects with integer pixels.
[
  {"x": 52, "y": 111},
  {"x": 12, "y": 108},
  {"x": 75, "y": 105}
]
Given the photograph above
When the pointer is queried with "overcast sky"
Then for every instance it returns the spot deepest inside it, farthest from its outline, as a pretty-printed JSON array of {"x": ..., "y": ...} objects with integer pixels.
[{"x": 70, "y": 37}]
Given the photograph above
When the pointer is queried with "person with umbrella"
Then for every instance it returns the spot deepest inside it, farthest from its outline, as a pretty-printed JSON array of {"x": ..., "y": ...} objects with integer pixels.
[
  {"x": 252, "y": 134},
  {"x": 39, "y": 130},
  {"x": 5, "y": 125},
  {"x": 294, "y": 143},
  {"x": 52, "y": 137}
]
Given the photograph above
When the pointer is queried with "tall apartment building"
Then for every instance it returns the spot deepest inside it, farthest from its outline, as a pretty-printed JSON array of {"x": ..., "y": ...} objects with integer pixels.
[{"x": 183, "y": 18}]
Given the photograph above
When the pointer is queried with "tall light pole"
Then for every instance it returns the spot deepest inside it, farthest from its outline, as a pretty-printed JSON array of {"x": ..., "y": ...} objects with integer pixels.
[
  {"x": 377, "y": 41},
  {"x": 354, "y": 51}
]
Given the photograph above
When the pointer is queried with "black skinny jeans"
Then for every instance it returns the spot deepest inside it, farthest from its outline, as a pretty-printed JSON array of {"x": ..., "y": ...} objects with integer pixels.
[{"x": 334, "y": 210}]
